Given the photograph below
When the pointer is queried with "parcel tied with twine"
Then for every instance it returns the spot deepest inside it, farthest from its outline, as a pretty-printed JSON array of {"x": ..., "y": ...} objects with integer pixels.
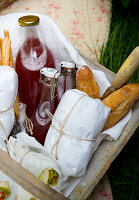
[
  {"x": 76, "y": 123},
  {"x": 8, "y": 93}
]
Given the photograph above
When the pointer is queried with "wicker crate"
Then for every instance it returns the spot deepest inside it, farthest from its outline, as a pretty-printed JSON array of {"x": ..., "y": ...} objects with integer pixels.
[{"x": 99, "y": 164}]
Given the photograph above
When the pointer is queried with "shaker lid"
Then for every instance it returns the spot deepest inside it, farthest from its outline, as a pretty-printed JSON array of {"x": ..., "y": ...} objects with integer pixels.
[
  {"x": 28, "y": 20},
  {"x": 50, "y": 72},
  {"x": 68, "y": 64}
]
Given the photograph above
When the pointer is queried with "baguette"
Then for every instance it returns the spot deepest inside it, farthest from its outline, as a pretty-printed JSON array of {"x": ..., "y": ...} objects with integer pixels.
[
  {"x": 11, "y": 63},
  {"x": 86, "y": 83},
  {"x": 6, "y": 43},
  {"x": 6, "y": 58},
  {"x": 120, "y": 103},
  {"x": 0, "y": 51}
]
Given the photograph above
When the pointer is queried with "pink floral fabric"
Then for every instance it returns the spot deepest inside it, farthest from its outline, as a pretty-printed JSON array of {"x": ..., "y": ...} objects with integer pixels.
[
  {"x": 102, "y": 190},
  {"x": 84, "y": 23}
]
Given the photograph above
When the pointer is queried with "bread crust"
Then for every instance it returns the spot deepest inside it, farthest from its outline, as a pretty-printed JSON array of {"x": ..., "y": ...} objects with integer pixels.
[
  {"x": 120, "y": 103},
  {"x": 85, "y": 82}
]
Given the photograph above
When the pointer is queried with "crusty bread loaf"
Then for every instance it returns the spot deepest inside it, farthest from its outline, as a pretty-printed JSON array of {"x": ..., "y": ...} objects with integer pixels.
[
  {"x": 86, "y": 83},
  {"x": 6, "y": 58},
  {"x": 120, "y": 103}
]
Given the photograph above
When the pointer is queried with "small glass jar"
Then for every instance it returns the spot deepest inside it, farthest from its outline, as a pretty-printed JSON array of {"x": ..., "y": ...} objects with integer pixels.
[{"x": 67, "y": 80}]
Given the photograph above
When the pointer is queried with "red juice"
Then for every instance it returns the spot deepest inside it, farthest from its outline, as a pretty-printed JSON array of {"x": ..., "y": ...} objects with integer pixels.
[{"x": 30, "y": 59}]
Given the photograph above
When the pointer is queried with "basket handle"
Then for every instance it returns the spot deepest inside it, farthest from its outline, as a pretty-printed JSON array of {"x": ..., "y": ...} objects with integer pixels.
[{"x": 27, "y": 180}]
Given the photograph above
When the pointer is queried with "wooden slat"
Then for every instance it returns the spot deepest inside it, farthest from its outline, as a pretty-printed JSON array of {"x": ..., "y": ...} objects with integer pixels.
[{"x": 27, "y": 180}]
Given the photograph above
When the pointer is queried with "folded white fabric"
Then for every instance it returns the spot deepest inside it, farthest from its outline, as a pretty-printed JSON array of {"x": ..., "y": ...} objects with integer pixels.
[
  {"x": 76, "y": 122},
  {"x": 114, "y": 132},
  {"x": 8, "y": 92}
]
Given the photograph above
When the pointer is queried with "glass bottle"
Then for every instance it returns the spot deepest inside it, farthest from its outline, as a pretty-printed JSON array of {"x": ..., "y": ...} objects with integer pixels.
[
  {"x": 67, "y": 79},
  {"x": 40, "y": 119},
  {"x": 32, "y": 56}
]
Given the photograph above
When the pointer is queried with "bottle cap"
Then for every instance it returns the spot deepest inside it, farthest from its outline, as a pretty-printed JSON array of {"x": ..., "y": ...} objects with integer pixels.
[
  {"x": 50, "y": 72},
  {"x": 68, "y": 64},
  {"x": 28, "y": 20}
]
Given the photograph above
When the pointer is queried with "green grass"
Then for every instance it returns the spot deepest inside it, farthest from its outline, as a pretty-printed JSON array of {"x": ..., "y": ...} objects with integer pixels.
[
  {"x": 124, "y": 172},
  {"x": 123, "y": 38}
]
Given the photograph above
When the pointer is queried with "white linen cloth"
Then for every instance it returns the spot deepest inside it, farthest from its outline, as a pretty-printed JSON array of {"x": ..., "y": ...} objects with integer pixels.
[
  {"x": 85, "y": 121},
  {"x": 8, "y": 92}
]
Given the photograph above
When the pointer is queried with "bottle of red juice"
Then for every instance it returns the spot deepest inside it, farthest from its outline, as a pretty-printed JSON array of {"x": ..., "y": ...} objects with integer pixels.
[{"x": 32, "y": 56}]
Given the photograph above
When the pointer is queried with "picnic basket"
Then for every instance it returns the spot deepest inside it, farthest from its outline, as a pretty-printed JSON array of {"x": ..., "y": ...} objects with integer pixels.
[{"x": 99, "y": 164}]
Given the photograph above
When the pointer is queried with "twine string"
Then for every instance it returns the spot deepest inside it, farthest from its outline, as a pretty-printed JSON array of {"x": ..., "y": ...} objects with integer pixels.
[
  {"x": 4, "y": 111},
  {"x": 61, "y": 129},
  {"x": 29, "y": 125},
  {"x": 4, "y": 132},
  {"x": 24, "y": 156}
]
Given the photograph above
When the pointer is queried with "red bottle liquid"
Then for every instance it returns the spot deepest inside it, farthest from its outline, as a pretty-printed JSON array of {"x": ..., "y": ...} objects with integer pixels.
[
  {"x": 40, "y": 119},
  {"x": 32, "y": 56}
]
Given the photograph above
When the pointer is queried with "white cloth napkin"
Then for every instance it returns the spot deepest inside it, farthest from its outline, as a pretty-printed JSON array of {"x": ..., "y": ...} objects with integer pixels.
[{"x": 8, "y": 92}]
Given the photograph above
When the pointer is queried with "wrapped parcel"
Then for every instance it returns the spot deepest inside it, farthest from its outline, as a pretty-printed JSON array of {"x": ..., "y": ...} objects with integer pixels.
[
  {"x": 8, "y": 92},
  {"x": 43, "y": 167},
  {"x": 77, "y": 122},
  {"x": 4, "y": 189},
  {"x": 22, "y": 194}
]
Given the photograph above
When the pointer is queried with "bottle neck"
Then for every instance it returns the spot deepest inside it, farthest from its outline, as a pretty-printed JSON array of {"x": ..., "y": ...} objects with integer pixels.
[
  {"x": 49, "y": 86},
  {"x": 69, "y": 78},
  {"x": 30, "y": 32},
  {"x": 68, "y": 72}
]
